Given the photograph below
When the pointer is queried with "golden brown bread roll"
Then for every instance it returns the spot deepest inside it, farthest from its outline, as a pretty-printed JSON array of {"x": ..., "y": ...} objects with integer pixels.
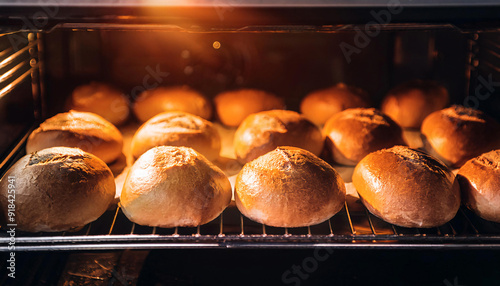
[
  {"x": 56, "y": 189},
  {"x": 177, "y": 129},
  {"x": 354, "y": 133},
  {"x": 479, "y": 182},
  {"x": 87, "y": 131},
  {"x": 101, "y": 99},
  {"x": 178, "y": 98},
  {"x": 262, "y": 132},
  {"x": 318, "y": 106},
  {"x": 289, "y": 187},
  {"x": 457, "y": 134},
  {"x": 407, "y": 187},
  {"x": 234, "y": 106},
  {"x": 174, "y": 186},
  {"x": 409, "y": 103}
]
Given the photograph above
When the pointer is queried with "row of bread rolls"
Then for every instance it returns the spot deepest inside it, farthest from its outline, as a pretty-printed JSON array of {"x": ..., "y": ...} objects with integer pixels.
[
  {"x": 258, "y": 134},
  {"x": 60, "y": 188},
  {"x": 351, "y": 134},
  {"x": 407, "y": 104},
  {"x": 291, "y": 187},
  {"x": 231, "y": 106},
  {"x": 167, "y": 186},
  {"x": 404, "y": 186},
  {"x": 176, "y": 181},
  {"x": 92, "y": 133},
  {"x": 451, "y": 135},
  {"x": 410, "y": 188},
  {"x": 454, "y": 135}
]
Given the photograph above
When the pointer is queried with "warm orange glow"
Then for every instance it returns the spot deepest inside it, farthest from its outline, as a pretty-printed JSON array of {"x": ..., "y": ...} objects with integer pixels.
[{"x": 216, "y": 45}]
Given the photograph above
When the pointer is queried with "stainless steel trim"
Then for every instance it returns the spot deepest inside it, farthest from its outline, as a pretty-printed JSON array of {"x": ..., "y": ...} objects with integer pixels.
[{"x": 87, "y": 247}]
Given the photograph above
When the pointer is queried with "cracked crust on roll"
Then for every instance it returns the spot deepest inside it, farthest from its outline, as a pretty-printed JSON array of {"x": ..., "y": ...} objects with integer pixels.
[
  {"x": 407, "y": 187},
  {"x": 354, "y": 133},
  {"x": 177, "y": 129},
  {"x": 57, "y": 189},
  {"x": 458, "y": 134},
  {"x": 289, "y": 187},
  {"x": 174, "y": 186},
  {"x": 87, "y": 131},
  {"x": 480, "y": 185},
  {"x": 262, "y": 132},
  {"x": 409, "y": 103}
]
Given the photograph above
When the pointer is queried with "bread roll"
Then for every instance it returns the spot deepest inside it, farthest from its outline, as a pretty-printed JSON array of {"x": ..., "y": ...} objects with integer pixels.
[
  {"x": 178, "y": 98},
  {"x": 56, "y": 189},
  {"x": 174, "y": 186},
  {"x": 177, "y": 129},
  {"x": 409, "y": 103},
  {"x": 87, "y": 131},
  {"x": 479, "y": 182},
  {"x": 458, "y": 134},
  {"x": 318, "y": 106},
  {"x": 354, "y": 133},
  {"x": 407, "y": 187},
  {"x": 234, "y": 106},
  {"x": 262, "y": 132},
  {"x": 101, "y": 99},
  {"x": 289, "y": 187}
]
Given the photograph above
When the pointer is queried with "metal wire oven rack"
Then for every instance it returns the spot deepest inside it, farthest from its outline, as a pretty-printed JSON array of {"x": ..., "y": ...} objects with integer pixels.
[{"x": 353, "y": 227}]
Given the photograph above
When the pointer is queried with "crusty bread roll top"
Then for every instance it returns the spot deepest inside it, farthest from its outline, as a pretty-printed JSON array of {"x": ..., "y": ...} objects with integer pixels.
[
  {"x": 480, "y": 184},
  {"x": 178, "y": 98},
  {"x": 177, "y": 129},
  {"x": 235, "y": 105},
  {"x": 262, "y": 132},
  {"x": 289, "y": 187},
  {"x": 57, "y": 189},
  {"x": 318, "y": 106},
  {"x": 354, "y": 133},
  {"x": 409, "y": 103},
  {"x": 407, "y": 187},
  {"x": 174, "y": 186},
  {"x": 458, "y": 134},
  {"x": 87, "y": 131},
  {"x": 101, "y": 99}
]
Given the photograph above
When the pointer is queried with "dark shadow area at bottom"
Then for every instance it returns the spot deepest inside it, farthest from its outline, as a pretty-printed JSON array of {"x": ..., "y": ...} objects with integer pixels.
[{"x": 321, "y": 267}]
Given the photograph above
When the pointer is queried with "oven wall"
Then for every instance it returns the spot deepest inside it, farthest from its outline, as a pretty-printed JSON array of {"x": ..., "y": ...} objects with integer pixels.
[
  {"x": 484, "y": 69},
  {"x": 288, "y": 64},
  {"x": 19, "y": 90}
]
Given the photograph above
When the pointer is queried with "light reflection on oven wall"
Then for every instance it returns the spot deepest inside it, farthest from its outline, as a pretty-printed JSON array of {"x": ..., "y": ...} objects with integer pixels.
[{"x": 287, "y": 64}]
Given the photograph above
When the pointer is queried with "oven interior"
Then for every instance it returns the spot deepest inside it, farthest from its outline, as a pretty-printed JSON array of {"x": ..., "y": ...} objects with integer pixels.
[{"x": 39, "y": 70}]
